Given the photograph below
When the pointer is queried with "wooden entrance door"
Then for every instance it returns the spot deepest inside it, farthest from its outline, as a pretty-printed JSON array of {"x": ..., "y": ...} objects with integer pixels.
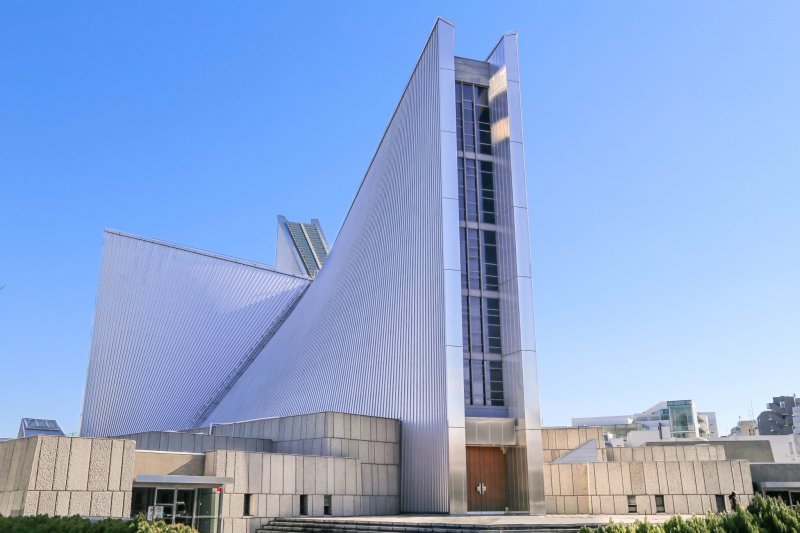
[{"x": 486, "y": 479}]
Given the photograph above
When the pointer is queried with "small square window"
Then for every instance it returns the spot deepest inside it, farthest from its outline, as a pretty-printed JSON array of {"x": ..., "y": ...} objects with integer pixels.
[
  {"x": 660, "y": 504},
  {"x": 632, "y": 504}
]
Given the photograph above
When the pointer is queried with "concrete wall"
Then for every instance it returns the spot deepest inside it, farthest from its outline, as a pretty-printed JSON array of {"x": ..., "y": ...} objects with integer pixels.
[
  {"x": 688, "y": 487},
  {"x": 66, "y": 476},
  {"x": 665, "y": 453},
  {"x": 276, "y": 482},
  {"x": 776, "y": 472},
  {"x": 169, "y": 463},
  {"x": 750, "y": 450},
  {"x": 173, "y": 441},
  {"x": 557, "y": 442}
]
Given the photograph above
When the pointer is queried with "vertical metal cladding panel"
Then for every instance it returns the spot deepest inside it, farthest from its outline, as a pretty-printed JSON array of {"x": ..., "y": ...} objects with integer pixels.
[
  {"x": 170, "y": 324},
  {"x": 368, "y": 336},
  {"x": 516, "y": 288}
]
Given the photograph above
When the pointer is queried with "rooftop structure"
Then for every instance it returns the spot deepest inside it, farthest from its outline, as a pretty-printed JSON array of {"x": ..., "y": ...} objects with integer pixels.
[{"x": 29, "y": 427}]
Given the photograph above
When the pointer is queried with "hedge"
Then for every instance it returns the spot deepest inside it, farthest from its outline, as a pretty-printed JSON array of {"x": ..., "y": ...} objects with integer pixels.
[
  {"x": 76, "y": 524},
  {"x": 763, "y": 515}
]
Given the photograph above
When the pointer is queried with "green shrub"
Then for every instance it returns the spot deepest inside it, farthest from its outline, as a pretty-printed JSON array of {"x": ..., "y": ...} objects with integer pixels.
[
  {"x": 76, "y": 524},
  {"x": 772, "y": 514},
  {"x": 763, "y": 515}
]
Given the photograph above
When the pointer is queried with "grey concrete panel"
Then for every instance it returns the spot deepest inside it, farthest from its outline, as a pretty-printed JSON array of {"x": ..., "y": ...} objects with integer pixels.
[
  {"x": 601, "y": 479},
  {"x": 48, "y": 451},
  {"x": 688, "y": 483},
  {"x": 117, "y": 505},
  {"x": 699, "y": 477},
  {"x": 711, "y": 477},
  {"x": 126, "y": 476},
  {"x": 673, "y": 474},
  {"x": 339, "y": 481},
  {"x": 366, "y": 479},
  {"x": 30, "y": 502},
  {"x": 100, "y": 504},
  {"x": 80, "y": 502},
  {"x": 273, "y": 505},
  {"x": 638, "y": 484},
  {"x": 115, "y": 467},
  {"x": 289, "y": 473},
  {"x": 99, "y": 465},
  {"x": 725, "y": 477},
  {"x": 287, "y": 505},
  {"x": 62, "y": 503},
  {"x": 276, "y": 474},
  {"x": 47, "y": 503},
  {"x": 651, "y": 478},
  {"x": 254, "y": 466},
  {"x": 78, "y": 475},
  {"x": 240, "y": 470}
]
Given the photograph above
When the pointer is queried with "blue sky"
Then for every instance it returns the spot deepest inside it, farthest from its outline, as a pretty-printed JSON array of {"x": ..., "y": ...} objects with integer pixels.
[{"x": 663, "y": 163}]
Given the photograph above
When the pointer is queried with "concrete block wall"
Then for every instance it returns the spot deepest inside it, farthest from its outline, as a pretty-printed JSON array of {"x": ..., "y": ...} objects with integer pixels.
[
  {"x": 557, "y": 442},
  {"x": 710, "y": 452},
  {"x": 66, "y": 476},
  {"x": 688, "y": 487},
  {"x": 173, "y": 441},
  {"x": 276, "y": 482}
]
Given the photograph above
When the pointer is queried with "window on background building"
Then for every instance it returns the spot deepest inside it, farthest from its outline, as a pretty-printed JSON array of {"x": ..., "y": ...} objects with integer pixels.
[{"x": 632, "y": 504}]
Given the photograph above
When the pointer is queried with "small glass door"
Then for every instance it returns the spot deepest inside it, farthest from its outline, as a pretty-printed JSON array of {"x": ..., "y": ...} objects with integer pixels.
[
  {"x": 184, "y": 506},
  {"x": 166, "y": 498}
]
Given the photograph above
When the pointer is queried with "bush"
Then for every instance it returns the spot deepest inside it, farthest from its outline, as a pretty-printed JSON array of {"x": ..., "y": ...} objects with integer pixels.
[
  {"x": 76, "y": 524},
  {"x": 763, "y": 515}
]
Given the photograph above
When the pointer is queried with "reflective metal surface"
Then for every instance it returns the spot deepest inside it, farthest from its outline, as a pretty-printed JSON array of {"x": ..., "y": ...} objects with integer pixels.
[
  {"x": 368, "y": 336},
  {"x": 519, "y": 352},
  {"x": 171, "y": 324}
]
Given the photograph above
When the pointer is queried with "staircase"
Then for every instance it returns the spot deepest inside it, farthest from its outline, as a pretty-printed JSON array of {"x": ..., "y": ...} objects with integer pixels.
[{"x": 321, "y": 525}]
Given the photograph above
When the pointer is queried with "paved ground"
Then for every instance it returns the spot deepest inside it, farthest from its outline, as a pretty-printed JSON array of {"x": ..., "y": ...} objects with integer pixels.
[{"x": 502, "y": 519}]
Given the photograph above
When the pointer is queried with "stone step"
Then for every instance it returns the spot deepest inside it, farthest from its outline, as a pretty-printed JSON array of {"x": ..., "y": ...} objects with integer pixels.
[{"x": 278, "y": 525}]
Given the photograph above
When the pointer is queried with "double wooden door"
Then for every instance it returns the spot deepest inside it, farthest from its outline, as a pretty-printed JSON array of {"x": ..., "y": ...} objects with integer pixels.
[{"x": 486, "y": 479}]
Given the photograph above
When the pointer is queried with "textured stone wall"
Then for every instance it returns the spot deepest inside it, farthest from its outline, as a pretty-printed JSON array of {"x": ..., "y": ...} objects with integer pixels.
[
  {"x": 557, "y": 442},
  {"x": 66, "y": 476},
  {"x": 173, "y": 441},
  {"x": 277, "y": 481},
  {"x": 705, "y": 452},
  {"x": 688, "y": 487}
]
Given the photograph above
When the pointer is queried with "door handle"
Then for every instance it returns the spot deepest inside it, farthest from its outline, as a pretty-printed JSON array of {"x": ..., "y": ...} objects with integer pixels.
[{"x": 481, "y": 489}]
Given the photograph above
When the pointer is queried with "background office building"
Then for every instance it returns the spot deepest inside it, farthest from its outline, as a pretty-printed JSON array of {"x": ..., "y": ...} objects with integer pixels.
[{"x": 677, "y": 419}]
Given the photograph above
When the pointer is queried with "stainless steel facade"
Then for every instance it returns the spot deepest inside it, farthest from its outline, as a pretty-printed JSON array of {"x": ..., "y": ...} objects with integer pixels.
[
  {"x": 369, "y": 335},
  {"x": 516, "y": 281},
  {"x": 171, "y": 324},
  {"x": 379, "y": 330}
]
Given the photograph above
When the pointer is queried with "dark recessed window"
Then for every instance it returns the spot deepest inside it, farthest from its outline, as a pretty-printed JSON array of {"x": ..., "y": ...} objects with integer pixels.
[
  {"x": 327, "y": 509},
  {"x": 248, "y": 505},
  {"x": 660, "y": 504},
  {"x": 632, "y": 504},
  {"x": 304, "y": 505}
]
